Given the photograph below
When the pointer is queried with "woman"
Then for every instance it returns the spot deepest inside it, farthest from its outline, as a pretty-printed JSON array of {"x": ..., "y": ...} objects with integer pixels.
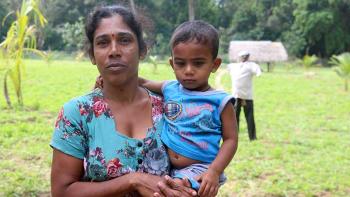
[{"x": 107, "y": 143}]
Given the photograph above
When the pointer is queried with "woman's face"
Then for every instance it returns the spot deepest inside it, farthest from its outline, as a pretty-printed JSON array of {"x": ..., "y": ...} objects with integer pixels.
[{"x": 116, "y": 51}]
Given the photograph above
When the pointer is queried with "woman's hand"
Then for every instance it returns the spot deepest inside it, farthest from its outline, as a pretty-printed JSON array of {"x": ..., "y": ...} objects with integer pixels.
[
  {"x": 174, "y": 188},
  {"x": 145, "y": 184}
]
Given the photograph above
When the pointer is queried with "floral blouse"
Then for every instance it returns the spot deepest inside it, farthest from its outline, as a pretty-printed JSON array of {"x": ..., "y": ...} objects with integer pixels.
[{"x": 85, "y": 129}]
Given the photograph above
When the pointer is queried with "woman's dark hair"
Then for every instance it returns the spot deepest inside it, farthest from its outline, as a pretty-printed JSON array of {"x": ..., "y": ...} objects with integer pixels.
[
  {"x": 99, "y": 13},
  {"x": 199, "y": 31}
]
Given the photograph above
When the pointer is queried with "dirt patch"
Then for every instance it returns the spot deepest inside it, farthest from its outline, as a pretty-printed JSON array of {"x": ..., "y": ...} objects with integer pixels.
[{"x": 265, "y": 175}]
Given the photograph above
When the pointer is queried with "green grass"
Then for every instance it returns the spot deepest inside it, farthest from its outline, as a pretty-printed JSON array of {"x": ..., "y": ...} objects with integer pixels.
[{"x": 303, "y": 129}]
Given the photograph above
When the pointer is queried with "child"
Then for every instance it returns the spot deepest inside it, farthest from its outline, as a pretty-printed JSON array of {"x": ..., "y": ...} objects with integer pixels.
[{"x": 196, "y": 116}]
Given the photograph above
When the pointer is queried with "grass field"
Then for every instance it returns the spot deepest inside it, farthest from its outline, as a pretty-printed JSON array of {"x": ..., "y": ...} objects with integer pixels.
[{"x": 303, "y": 128}]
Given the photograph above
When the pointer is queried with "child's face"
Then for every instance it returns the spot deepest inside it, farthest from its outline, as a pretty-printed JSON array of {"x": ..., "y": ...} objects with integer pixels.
[{"x": 192, "y": 63}]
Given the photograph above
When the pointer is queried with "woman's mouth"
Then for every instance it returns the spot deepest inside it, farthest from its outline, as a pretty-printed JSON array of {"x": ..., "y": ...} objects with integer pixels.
[{"x": 116, "y": 66}]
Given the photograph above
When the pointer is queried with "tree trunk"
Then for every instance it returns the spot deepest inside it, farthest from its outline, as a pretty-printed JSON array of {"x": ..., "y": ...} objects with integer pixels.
[
  {"x": 132, "y": 5},
  {"x": 191, "y": 10}
]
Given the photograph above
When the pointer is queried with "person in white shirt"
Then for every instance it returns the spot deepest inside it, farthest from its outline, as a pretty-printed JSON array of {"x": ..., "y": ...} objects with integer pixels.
[{"x": 242, "y": 74}]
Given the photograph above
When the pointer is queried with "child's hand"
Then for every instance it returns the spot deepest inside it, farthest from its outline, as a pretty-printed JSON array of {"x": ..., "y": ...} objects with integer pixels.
[
  {"x": 209, "y": 183},
  {"x": 142, "y": 81},
  {"x": 99, "y": 82}
]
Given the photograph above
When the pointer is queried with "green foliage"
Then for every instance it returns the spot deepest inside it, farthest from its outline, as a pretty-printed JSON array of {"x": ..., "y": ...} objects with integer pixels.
[
  {"x": 20, "y": 38},
  {"x": 342, "y": 63},
  {"x": 63, "y": 13},
  {"x": 73, "y": 35},
  {"x": 309, "y": 61},
  {"x": 320, "y": 27},
  {"x": 315, "y": 27}
]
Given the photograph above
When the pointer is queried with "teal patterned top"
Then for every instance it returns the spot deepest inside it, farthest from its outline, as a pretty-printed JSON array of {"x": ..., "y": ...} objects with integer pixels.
[{"x": 85, "y": 129}]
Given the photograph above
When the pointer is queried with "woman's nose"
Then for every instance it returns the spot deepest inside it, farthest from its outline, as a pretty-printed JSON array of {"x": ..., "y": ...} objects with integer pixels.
[{"x": 115, "y": 49}]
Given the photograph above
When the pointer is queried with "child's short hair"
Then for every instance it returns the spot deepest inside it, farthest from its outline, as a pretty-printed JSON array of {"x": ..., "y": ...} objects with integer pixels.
[{"x": 200, "y": 31}]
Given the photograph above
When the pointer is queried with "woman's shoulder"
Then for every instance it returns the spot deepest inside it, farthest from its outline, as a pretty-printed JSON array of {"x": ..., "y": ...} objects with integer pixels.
[
  {"x": 76, "y": 103},
  {"x": 88, "y": 97}
]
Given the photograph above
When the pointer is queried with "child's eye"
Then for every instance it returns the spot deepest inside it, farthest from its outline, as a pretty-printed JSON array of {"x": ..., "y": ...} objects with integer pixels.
[
  {"x": 198, "y": 64},
  {"x": 180, "y": 64}
]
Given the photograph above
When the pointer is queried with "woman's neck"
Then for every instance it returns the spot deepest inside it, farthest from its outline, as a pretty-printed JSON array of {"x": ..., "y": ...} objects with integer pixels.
[{"x": 122, "y": 94}]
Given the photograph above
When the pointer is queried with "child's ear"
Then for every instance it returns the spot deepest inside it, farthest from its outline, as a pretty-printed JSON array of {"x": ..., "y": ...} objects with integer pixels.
[{"x": 216, "y": 65}]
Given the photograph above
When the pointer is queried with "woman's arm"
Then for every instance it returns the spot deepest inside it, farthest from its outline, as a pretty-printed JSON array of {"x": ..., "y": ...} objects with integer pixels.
[
  {"x": 67, "y": 171},
  {"x": 225, "y": 155}
]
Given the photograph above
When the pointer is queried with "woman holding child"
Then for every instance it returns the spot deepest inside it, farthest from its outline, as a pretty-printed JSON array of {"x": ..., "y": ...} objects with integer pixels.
[{"x": 107, "y": 142}]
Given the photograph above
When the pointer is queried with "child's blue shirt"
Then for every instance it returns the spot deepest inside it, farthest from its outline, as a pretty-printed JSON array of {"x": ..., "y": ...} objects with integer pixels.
[{"x": 193, "y": 125}]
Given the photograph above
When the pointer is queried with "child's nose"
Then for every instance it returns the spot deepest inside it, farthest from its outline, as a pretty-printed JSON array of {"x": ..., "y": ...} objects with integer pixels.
[{"x": 189, "y": 69}]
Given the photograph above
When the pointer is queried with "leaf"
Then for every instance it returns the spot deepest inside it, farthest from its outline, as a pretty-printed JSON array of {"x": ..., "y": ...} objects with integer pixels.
[
  {"x": 20, "y": 38},
  {"x": 6, "y": 93},
  {"x": 343, "y": 64}
]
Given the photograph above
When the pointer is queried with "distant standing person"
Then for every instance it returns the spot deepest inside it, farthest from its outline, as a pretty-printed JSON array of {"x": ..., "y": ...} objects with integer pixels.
[{"x": 242, "y": 89}]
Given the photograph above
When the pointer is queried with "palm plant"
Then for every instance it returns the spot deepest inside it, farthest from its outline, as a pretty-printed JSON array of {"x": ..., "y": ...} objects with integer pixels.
[
  {"x": 342, "y": 63},
  {"x": 20, "y": 38},
  {"x": 153, "y": 60},
  {"x": 309, "y": 61}
]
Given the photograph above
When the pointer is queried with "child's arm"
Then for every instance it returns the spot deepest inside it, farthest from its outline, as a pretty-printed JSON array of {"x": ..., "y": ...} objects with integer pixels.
[
  {"x": 154, "y": 86},
  {"x": 210, "y": 179}
]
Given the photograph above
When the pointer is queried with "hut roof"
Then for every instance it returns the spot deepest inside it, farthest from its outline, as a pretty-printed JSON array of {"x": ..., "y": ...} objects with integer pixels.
[{"x": 260, "y": 51}]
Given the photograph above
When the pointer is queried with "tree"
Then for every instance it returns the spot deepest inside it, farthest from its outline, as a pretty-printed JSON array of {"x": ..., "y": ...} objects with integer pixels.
[
  {"x": 320, "y": 27},
  {"x": 20, "y": 38},
  {"x": 343, "y": 67},
  {"x": 73, "y": 35}
]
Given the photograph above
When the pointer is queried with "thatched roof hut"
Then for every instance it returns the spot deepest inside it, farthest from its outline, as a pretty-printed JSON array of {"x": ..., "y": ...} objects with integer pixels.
[{"x": 260, "y": 51}]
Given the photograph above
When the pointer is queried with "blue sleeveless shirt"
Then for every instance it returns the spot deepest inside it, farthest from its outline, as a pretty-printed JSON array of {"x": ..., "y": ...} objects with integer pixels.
[{"x": 192, "y": 121}]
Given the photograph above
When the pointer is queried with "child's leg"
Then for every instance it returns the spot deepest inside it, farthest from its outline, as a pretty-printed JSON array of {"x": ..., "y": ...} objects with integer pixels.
[{"x": 192, "y": 172}]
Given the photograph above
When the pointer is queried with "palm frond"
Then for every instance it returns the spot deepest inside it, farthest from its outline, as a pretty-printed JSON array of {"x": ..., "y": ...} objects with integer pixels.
[
  {"x": 20, "y": 38},
  {"x": 5, "y": 18},
  {"x": 342, "y": 63}
]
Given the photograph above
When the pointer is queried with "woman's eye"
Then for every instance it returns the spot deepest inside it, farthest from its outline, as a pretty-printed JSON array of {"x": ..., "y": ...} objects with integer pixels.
[
  {"x": 102, "y": 43},
  {"x": 125, "y": 40}
]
